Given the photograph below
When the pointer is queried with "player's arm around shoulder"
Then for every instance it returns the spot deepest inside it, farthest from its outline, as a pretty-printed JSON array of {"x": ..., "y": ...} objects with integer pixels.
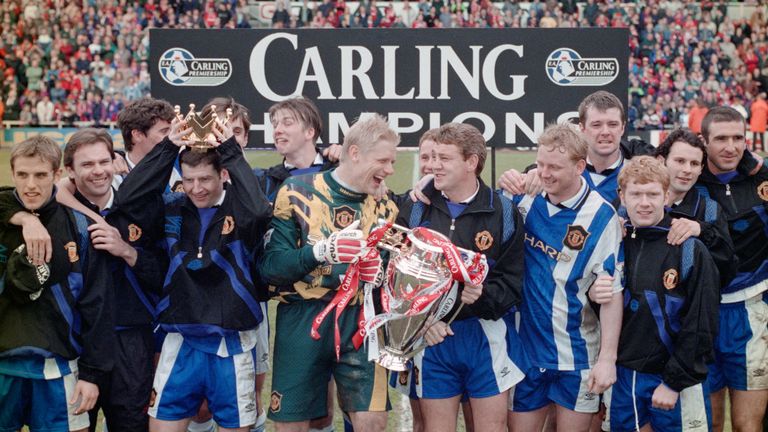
[{"x": 503, "y": 288}]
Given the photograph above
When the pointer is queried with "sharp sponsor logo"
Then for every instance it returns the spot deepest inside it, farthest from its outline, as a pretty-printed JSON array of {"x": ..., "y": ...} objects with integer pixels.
[
  {"x": 546, "y": 249},
  {"x": 179, "y": 67},
  {"x": 565, "y": 67}
]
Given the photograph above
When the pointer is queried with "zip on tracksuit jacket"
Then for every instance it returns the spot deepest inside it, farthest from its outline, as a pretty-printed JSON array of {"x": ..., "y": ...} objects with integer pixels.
[
  {"x": 209, "y": 286},
  {"x": 671, "y": 304},
  {"x": 480, "y": 228},
  {"x": 70, "y": 326},
  {"x": 743, "y": 200}
]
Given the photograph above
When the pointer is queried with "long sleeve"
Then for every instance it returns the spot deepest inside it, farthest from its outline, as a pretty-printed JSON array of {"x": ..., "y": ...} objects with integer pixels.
[
  {"x": 285, "y": 261},
  {"x": 97, "y": 325},
  {"x": 698, "y": 320},
  {"x": 717, "y": 239},
  {"x": 140, "y": 195}
]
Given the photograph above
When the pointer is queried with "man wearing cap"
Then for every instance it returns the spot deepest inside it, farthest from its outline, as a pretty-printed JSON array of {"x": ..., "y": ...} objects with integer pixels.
[{"x": 56, "y": 325}]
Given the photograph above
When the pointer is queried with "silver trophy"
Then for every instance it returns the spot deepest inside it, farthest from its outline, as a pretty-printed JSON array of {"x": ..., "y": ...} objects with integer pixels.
[{"x": 418, "y": 291}]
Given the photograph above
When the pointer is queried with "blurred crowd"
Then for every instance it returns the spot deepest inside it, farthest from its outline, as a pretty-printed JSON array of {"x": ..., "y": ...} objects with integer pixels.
[{"x": 82, "y": 61}]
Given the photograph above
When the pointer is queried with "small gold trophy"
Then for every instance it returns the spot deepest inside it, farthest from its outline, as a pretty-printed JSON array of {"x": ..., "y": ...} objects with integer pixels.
[{"x": 202, "y": 125}]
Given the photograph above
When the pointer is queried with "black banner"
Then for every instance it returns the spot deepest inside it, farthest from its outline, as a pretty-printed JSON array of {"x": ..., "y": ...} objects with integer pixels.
[{"x": 510, "y": 83}]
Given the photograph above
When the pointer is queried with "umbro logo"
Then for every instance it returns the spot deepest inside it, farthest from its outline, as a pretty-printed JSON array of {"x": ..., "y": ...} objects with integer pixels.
[
  {"x": 694, "y": 424},
  {"x": 505, "y": 371},
  {"x": 590, "y": 396},
  {"x": 758, "y": 372}
]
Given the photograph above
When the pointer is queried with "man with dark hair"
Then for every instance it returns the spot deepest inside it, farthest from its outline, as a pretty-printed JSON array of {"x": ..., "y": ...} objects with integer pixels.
[
  {"x": 478, "y": 219},
  {"x": 144, "y": 123},
  {"x": 693, "y": 214},
  {"x": 212, "y": 236},
  {"x": 56, "y": 324},
  {"x": 601, "y": 120},
  {"x": 124, "y": 393},
  {"x": 739, "y": 183}
]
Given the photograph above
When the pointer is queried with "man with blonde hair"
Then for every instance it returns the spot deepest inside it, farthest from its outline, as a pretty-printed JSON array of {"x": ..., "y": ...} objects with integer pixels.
[
  {"x": 317, "y": 232},
  {"x": 572, "y": 243}
]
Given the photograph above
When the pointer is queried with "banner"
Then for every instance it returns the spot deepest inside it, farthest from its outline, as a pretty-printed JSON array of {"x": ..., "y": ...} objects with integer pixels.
[
  {"x": 510, "y": 83},
  {"x": 15, "y": 135}
]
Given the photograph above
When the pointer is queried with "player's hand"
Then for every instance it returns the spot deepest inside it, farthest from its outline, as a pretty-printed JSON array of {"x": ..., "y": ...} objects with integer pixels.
[
  {"x": 622, "y": 223},
  {"x": 342, "y": 246},
  {"x": 471, "y": 293},
  {"x": 512, "y": 181},
  {"x": 381, "y": 192},
  {"x": 222, "y": 131},
  {"x": 372, "y": 271},
  {"x": 437, "y": 333},
  {"x": 681, "y": 229},
  {"x": 84, "y": 396},
  {"x": 35, "y": 236},
  {"x": 602, "y": 376},
  {"x": 332, "y": 152},
  {"x": 601, "y": 291},
  {"x": 179, "y": 129},
  {"x": 416, "y": 193},
  {"x": 107, "y": 238},
  {"x": 119, "y": 164},
  {"x": 664, "y": 398},
  {"x": 533, "y": 184}
]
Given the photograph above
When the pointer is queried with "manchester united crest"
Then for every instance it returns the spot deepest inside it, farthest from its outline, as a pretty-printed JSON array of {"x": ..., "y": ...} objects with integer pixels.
[
  {"x": 483, "y": 240},
  {"x": 343, "y": 216},
  {"x": 134, "y": 232},
  {"x": 71, "y": 248},
  {"x": 229, "y": 225},
  {"x": 178, "y": 187},
  {"x": 575, "y": 237},
  {"x": 670, "y": 279},
  {"x": 275, "y": 401},
  {"x": 762, "y": 191}
]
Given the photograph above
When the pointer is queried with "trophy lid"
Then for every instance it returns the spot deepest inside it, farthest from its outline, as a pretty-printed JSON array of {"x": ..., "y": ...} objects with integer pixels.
[{"x": 427, "y": 239}]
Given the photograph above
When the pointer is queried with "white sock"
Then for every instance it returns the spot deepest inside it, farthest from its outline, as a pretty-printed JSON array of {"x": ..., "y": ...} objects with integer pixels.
[
  {"x": 261, "y": 422},
  {"x": 208, "y": 426}
]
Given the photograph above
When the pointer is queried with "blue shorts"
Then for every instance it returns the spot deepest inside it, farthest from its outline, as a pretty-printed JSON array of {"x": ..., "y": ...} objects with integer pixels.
[
  {"x": 741, "y": 354},
  {"x": 185, "y": 376},
  {"x": 483, "y": 358},
  {"x": 565, "y": 388},
  {"x": 41, "y": 404},
  {"x": 629, "y": 405}
]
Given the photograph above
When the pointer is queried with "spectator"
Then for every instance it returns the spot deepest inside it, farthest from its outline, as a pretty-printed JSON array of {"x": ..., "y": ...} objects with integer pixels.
[
  {"x": 45, "y": 109},
  {"x": 758, "y": 120},
  {"x": 696, "y": 115}
]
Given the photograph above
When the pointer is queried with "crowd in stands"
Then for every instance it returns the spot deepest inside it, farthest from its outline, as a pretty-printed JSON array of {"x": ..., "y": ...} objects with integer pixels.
[{"x": 72, "y": 60}]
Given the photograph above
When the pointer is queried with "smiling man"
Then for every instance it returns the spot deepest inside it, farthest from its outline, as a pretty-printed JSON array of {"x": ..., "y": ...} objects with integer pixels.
[
  {"x": 318, "y": 228},
  {"x": 476, "y": 218},
  {"x": 572, "y": 242},
  {"x": 212, "y": 236},
  {"x": 56, "y": 327},
  {"x": 739, "y": 183},
  {"x": 670, "y": 314}
]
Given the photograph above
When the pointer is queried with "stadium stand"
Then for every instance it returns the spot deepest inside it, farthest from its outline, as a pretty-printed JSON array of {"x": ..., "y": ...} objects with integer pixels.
[{"x": 78, "y": 62}]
